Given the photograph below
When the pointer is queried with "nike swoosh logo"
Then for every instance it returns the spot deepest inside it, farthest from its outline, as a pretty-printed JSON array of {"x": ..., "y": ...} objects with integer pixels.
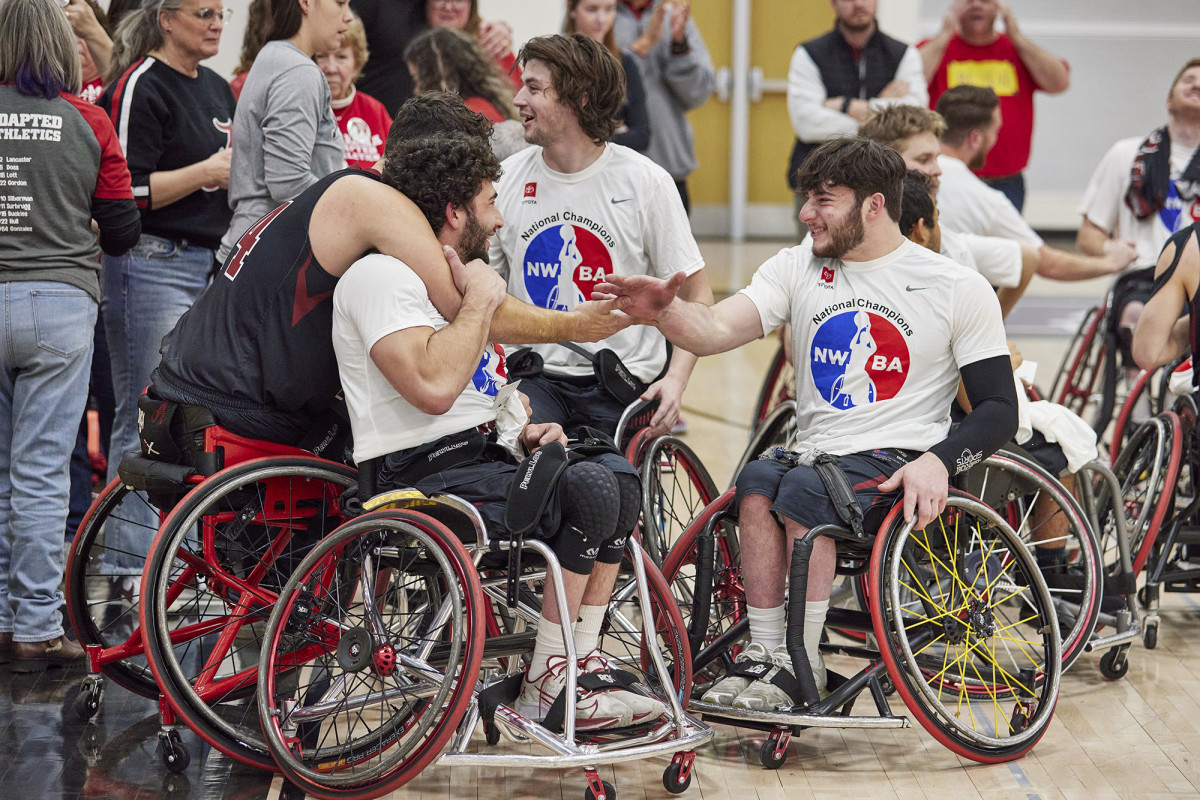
[
  {"x": 915, "y": 288},
  {"x": 615, "y": 200}
]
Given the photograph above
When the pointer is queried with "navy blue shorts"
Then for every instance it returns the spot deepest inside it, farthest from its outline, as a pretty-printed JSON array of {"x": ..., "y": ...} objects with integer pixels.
[
  {"x": 799, "y": 494},
  {"x": 572, "y": 402}
]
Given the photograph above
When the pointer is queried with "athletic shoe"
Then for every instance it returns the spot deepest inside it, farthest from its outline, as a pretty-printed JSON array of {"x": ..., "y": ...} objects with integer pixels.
[
  {"x": 762, "y": 695},
  {"x": 593, "y": 710},
  {"x": 726, "y": 690},
  {"x": 644, "y": 708}
]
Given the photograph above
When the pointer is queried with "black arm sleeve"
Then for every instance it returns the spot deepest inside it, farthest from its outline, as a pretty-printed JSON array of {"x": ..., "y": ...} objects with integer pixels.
[
  {"x": 120, "y": 224},
  {"x": 992, "y": 421},
  {"x": 633, "y": 113}
]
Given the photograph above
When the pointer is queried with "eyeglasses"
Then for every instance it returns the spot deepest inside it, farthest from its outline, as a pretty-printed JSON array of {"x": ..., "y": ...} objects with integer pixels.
[
  {"x": 450, "y": 2},
  {"x": 210, "y": 14}
]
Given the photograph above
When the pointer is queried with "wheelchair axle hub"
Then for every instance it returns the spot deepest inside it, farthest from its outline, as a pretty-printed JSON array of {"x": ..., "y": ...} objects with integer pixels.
[
  {"x": 983, "y": 622},
  {"x": 383, "y": 660},
  {"x": 355, "y": 650}
]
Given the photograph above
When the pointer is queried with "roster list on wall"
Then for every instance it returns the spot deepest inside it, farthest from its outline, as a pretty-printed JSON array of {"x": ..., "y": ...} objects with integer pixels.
[{"x": 15, "y": 200}]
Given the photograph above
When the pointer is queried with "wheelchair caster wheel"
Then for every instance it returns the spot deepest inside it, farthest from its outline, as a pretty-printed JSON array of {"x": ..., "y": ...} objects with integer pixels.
[
  {"x": 671, "y": 781},
  {"x": 175, "y": 756},
  {"x": 773, "y": 752},
  {"x": 1150, "y": 637},
  {"x": 604, "y": 792},
  {"x": 87, "y": 702},
  {"x": 1114, "y": 664}
]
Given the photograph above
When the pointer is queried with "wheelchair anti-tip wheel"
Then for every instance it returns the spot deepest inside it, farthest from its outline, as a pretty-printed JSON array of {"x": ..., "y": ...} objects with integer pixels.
[
  {"x": 214, "y": 573},
  {"x": 967, "y": 629},
  {"x": 371, "y": 655}
]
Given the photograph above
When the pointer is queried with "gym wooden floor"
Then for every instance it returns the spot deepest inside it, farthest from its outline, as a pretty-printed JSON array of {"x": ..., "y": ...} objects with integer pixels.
[{"x": 1134, "y": 738}]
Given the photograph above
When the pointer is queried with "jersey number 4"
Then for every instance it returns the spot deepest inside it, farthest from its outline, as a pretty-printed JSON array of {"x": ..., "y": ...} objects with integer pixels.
[{"x": 249, "y": 240}]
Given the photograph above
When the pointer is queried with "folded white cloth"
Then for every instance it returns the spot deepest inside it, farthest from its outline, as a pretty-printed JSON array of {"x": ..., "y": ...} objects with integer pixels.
[
  {"x": 1063, "y": 427},
  {"x": 1024, "y": 426},
  {"x": 511, "y": 419}
]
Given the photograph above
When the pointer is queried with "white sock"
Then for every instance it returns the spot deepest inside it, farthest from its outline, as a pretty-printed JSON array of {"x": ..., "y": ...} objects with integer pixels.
[
  {"x": 814, "y": 624},
  {"x": 549, "y": 642},
  {"x": 767, "y": 625},
  {"x": 587, "y": 629}
]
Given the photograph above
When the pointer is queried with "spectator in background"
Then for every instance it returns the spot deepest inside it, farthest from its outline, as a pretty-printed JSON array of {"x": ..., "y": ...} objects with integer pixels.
[
  {"x": 967, "y": 204},
  {"x": 836, "y": 80},
  {"x": 117, "y": 10},
  {"x": 258, "y": 28},
  {"x": 969, "y": 51},
  {"x": 93, "y": 36},
  {"x": 494, "y": 37},
  {"x": 362, "y": 120},
  {"x": 285, "y": 137},
  {"x": 173, "y": 118},
  {"x": 48, "y": 264},
  {"x": 448, "y": 60},
  {"x": 594, "y": 19},
  {"x": 1166, "y": 168},
  {"x": 678, "y": 76},
  {"x": 390, "y": 26}
]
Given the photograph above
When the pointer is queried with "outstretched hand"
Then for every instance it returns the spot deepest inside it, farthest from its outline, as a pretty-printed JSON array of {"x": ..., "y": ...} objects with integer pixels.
[
  {"x": 599, "y": 319},
  {"x": 925, "y": 483},
  {"x": 642, "y": 297}
]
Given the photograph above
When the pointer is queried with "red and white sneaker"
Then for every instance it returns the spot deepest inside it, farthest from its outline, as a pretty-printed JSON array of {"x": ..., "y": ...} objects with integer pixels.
[
  {"x": 644, "y": 708},
  {"x": 593, "y": 711}
]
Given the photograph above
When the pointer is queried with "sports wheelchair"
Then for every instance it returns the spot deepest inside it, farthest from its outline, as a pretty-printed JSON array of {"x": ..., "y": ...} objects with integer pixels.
[
  {"x": 404, "y": 630},
  {"x": 234, "y": 520},
  {"x": 966, "y": 629},
  {"x": 1094, "y": 373}
]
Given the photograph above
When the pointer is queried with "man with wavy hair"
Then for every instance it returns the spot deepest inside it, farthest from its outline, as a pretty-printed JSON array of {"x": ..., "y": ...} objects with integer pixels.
[{"x": 622, "y": 212}]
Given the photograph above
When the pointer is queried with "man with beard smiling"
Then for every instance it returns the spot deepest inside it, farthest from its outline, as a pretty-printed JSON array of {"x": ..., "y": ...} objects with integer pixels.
[
  {"x": 836, "y": 80},
  {"x": 929, "y": 322}
]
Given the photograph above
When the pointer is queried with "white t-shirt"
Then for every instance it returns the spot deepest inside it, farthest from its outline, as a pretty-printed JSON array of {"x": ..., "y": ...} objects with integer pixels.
[
  {"x": 998, "y": 260},
  {"x": 564, "y": 233},
  {"x": 1104, "y": 201},
  {"x": 379, "y": 295},
  {"x": 968, "y": 205},
  {"x": 882, "y": 341}
]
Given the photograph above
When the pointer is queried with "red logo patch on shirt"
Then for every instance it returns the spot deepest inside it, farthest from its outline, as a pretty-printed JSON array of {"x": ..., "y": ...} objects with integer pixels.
[
  {"x": 531, "y": 189},
  {"x": 827, "y": 274}
]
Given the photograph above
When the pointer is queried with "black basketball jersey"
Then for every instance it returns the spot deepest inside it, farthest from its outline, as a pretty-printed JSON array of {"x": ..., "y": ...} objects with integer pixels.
[{"x": 258, "y": 342}]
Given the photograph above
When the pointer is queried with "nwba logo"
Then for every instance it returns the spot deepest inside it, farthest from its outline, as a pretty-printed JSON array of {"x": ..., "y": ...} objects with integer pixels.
[
  {"x": 491, "y": 373},
  {"x": 858, "y": 358},
  {"x": 562, "y": 266}
]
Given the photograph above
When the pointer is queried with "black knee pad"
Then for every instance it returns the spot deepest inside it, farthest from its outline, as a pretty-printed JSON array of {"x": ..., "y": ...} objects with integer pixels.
[
  {"x": 590, "y": 504},
  {"x": 631, "y": 502}
]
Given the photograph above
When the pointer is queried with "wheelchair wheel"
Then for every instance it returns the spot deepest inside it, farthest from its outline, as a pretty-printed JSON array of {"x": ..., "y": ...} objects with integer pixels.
[
  {"x": 1138, "y": 402},
  {"x": 214, "y": 572},
  {"x": 371, "y": 655},
  {"x": 703, "y": 571},
  {"x": 1043, "y": 512},
  {"x": 1148, "y": 471},
  {"x": 103, "y": 606},
  {"x": 1082, "y": 364},
  {"x": 967, "y": 630},
  {"x": 675, "y": 487},
  {"x": 778, "y": 386}
]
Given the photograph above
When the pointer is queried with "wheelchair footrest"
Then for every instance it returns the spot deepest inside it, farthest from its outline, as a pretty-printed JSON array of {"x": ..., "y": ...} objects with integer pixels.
[{"x": 797, "y": 720}]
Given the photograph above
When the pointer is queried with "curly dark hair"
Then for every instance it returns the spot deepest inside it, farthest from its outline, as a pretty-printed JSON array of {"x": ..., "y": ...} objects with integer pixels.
[
  {"x": 436, "y": 171},
  {"x": 449, "y": 60},
  {"x": 587, "y": 79},
  {"x": 432, "y": 114},
  {"x": 861, "y": 165},
  {"x": 918, "y": 201}
]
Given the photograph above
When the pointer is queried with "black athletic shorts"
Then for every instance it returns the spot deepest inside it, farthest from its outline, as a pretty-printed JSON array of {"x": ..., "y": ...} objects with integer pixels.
[
  {"x": 572, "y": 401},
  {"x": 799, "y": 494}
]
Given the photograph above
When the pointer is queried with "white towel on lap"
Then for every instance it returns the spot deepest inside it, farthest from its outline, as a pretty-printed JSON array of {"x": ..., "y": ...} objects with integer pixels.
[{"x": 1063, "y": 427}]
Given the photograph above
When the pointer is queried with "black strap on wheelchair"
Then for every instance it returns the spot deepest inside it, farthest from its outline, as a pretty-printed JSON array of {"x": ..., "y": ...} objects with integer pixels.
[
  {"x": 504, "y": 691},
  {"x": 605, "y": 681},
  {"x": 841, "y": 493},
  {"x": 758, "y": 670},
  {"x": 329, "y": 433},
  {"x": 528, "y": 495},
  {"x": 154, "y": 429}
]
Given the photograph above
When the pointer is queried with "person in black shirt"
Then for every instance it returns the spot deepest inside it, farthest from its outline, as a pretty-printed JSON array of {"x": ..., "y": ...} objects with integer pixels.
[
  {"x": 173, "y": 118},
  {"x": 390, "y": 26}
]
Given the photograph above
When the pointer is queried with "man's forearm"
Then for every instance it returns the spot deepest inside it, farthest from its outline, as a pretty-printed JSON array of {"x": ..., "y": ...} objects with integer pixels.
[
  {"x": 1048, "y": 71},
  {"x": 932, "y": 53}
]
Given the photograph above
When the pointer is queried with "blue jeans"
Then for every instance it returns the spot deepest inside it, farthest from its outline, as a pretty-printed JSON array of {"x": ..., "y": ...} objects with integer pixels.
[
  {"x": 46, "y": 356},
  {"x": 142, "y": 295},
  {"x": 1013, "y": 187}
]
